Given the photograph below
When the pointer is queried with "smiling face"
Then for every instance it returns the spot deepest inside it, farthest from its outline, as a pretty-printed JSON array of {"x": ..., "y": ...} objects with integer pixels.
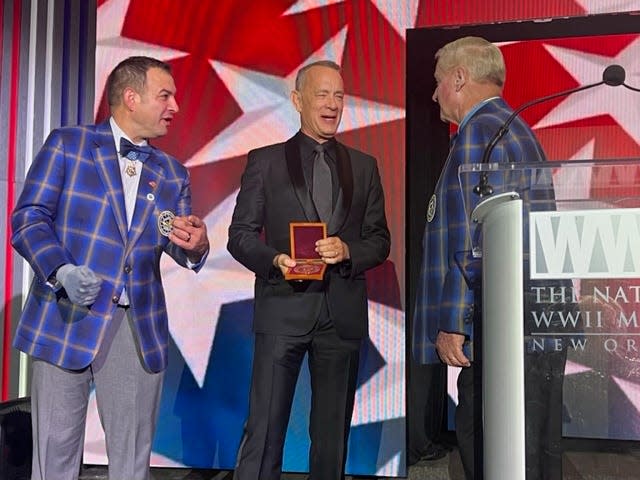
[
  {"x": 320, "y": 101},
  {"x": 152, "y": 109}
]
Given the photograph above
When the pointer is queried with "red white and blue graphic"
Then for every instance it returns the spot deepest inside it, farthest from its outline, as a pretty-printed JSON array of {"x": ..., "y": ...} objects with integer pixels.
[{"x": 234, "y": 62}]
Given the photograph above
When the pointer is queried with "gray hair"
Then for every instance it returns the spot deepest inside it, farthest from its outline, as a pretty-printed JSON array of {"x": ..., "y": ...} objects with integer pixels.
[
  {"x": 480, "y": 57},
  {"x": 302, "y": 73}
]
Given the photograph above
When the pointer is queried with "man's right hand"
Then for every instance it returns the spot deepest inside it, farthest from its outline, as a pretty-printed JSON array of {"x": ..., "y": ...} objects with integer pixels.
[
  {"x": 449, "y": 347},
  {"x": 81, "y": 283},
  {"x": 284, "y": 262}
]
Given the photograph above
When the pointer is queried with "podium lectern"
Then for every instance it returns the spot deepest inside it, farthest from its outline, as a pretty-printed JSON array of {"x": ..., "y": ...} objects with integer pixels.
[{"x": 558, "y": 249}]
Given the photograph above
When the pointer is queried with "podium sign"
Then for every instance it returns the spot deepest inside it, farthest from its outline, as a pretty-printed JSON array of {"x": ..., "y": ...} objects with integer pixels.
[{"x": 557, "y": 246}]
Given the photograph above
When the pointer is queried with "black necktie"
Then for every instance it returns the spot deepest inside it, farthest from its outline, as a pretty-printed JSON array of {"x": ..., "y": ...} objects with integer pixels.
[
  {"x": 134, "y": 152},
  {"x": 322, "y": 186}
]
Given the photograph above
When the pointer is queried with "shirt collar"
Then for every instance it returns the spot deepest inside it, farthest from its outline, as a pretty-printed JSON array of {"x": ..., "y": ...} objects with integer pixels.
[
  {"x": 118, "y": 133},
  {"x": 473, "y": 110},
  {"x": 308, "y": 144}
]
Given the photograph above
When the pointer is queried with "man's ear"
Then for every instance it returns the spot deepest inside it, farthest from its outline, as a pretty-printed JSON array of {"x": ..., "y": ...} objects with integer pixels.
[
  {"x": 296, "y": 100},
  {"x": 459, "y": 78},
  {"x": 129, "y": 97}
]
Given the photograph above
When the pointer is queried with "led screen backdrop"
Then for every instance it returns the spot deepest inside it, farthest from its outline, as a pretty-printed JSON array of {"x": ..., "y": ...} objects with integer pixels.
[{"x": 234, "y": 62}]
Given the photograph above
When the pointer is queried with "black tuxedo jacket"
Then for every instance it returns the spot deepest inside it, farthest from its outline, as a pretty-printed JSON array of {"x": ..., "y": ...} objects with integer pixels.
[{"x": 272, "y": 194}]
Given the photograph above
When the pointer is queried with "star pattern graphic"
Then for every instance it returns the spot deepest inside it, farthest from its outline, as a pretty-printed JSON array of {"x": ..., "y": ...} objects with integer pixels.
[
  {"x": 268, "y": 115},
  {"x": 587, "y": 68},
  {"x": 260, "y": 97},
  {"x": 234, "y": 63}
]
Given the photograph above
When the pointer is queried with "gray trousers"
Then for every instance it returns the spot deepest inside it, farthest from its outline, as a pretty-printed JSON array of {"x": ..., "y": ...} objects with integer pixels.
[{"x": 128, "y": 399}]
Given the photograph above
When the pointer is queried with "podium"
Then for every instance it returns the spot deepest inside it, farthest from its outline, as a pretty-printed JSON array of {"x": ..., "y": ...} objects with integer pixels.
[{"x": 557, "y": 248}]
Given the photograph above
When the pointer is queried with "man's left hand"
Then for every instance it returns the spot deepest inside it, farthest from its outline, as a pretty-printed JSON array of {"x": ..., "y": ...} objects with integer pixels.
[
  {"x": 449, "y": 346},
  {"x": 190, "y": 233},
  {"x": 332, "y": 250}
]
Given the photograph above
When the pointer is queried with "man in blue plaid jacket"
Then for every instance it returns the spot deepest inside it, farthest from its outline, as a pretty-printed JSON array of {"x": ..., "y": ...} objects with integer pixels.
[
  {"x": 98, "y": 209},
  {"x": 470, "y": 74}
]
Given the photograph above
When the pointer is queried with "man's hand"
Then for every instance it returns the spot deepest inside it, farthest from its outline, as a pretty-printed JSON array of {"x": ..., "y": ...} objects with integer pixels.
[
  {"x": 81, "y": 283},
  {"x": 190, "y": 233},
  {"x": 449, "y": 347},
  {"x": 332, "y": 250},
  {"x": 283, "y": 262}
]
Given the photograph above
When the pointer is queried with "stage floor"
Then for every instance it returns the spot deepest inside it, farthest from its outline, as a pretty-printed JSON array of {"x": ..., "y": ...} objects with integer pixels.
[
  {"x": 436, "y": 470},
  {"x": 576, "y": 466}
]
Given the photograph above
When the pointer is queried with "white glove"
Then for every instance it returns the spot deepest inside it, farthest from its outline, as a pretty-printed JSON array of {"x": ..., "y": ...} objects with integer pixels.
[{"x": 80, "y": 283}]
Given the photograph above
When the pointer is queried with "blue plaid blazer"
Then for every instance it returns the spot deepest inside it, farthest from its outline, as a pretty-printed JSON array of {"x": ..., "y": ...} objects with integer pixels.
[
  {"x": 72, "y": 210},
  {"x": 444, "y": 299}
]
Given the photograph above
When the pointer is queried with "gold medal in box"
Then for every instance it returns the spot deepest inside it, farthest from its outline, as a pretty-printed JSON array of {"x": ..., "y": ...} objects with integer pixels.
[{"x": 303, "y": 237}]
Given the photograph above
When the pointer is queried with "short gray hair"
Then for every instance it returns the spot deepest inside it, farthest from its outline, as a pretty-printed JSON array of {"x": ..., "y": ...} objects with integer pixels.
[
  {"x": 302, "y": 73},
  {"x": 481, "y": 58}
]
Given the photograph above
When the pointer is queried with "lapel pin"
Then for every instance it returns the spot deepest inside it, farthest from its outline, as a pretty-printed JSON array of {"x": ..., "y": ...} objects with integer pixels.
[{"x": 153, "y": 184}]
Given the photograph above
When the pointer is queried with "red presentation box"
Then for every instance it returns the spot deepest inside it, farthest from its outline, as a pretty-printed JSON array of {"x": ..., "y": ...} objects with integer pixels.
[{"x": 303, "y": 237}]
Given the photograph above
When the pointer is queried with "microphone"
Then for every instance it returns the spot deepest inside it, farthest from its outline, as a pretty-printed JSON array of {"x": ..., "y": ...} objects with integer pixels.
[{"x": 613, "y": 76}]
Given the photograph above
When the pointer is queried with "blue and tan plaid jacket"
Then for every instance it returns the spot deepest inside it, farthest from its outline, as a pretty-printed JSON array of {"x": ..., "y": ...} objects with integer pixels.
[
  {"x": 72, "y": 210},
  {"x": 444, "y": 300}
]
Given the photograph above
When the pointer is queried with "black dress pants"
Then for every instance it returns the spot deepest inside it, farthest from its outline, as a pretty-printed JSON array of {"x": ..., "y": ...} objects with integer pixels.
[
  {"x": 426, "y": 389},
  {"x": 333, "y": 368}
]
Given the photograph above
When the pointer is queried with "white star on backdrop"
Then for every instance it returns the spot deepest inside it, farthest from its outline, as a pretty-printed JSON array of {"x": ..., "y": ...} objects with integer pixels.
[
  {"x": 268, "y": 115},
  {"x": 587, "y": 68}
]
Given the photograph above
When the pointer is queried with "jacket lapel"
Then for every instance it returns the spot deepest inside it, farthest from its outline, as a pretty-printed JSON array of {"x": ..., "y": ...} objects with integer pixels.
[
  {"x": 106, "y": 161},
  {"x": 345, "y": 196},
  {"x": 294, "y": 165},
  {"x": 151, "y": 179}
]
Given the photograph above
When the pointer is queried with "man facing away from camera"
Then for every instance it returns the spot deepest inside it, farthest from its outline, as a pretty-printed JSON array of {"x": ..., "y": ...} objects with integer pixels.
[{"x": 470, "y": 76}]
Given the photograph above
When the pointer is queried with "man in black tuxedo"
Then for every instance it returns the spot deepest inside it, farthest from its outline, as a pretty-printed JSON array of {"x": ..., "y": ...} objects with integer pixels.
[{"x": 328, "y": 318}]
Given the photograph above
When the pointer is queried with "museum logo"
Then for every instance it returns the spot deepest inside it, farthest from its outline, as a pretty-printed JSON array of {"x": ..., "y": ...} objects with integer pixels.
[{"x": 585, "y": 244}]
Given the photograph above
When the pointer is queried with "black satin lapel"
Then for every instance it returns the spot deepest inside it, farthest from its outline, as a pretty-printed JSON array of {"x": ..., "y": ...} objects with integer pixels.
[
  {"x": 345, "y": 177},
  {"x": 294, "y": 165}
]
